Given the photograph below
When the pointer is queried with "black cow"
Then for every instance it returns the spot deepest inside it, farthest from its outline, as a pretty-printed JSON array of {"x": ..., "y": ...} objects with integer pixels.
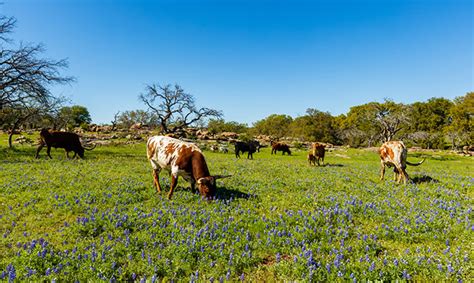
[
  {"x": 251, "y": 147},
  {"x": 66, "y": 140}
]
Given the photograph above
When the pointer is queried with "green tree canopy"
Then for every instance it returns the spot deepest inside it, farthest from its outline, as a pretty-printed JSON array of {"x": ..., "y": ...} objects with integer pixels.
[
  {"x": 315, "y": 126},
  {"x": 219, "y": 125},
  {"x": 74, "y": 116},
  {"x": 461, "y": 120},
  {"x": 275, "y": 125}
]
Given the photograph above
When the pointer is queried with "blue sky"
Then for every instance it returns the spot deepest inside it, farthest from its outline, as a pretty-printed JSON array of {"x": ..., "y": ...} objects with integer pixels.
[{"x": 251, "y": 59}]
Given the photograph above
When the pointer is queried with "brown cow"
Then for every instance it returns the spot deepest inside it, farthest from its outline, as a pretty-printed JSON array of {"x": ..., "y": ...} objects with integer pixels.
[
  {"x": 394, "y": 153},
  {"x": 277, "y": 146},
  {"x": 66, "y": 140},
  {"x": 318, "y": 151},
  {"x": 181, "y": 159}
]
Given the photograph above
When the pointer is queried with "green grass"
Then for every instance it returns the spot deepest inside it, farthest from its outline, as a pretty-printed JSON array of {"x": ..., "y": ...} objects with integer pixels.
[{"x": 276, "y": 219}]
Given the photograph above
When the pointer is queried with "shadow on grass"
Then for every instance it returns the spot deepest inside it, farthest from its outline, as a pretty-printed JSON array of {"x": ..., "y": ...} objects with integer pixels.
[
  {"x": 328, "y": 165},
  {"x": 333, "y": 165},
  {"x": 423, "y": 179},
  {"x": 222, "y": 192},
  {"x": 225, "y": 194}
]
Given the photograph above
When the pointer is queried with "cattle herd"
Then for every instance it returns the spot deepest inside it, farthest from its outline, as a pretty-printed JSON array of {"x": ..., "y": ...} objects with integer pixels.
[{"x": 185, "y": 159}]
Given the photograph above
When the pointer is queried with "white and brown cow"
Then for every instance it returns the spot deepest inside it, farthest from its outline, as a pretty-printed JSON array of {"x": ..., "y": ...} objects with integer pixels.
[
  {"x": 394, "y": 153},
  {"x": 181, "y": 159}
]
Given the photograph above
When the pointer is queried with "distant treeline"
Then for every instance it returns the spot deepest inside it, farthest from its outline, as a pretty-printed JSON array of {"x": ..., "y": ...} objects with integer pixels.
[{"x": 437, "y": 123}]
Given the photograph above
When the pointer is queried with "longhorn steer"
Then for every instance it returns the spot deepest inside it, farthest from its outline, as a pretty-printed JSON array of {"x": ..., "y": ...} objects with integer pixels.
[
  {"x": 66, "y": 140},
  {"x": 181, "y": 159},
  {"x": 394, "y": 153}
]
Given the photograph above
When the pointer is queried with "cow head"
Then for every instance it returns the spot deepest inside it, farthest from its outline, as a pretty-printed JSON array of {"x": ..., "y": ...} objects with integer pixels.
[
  {"x": 45, "y": 132},
  {"x": 207, "y": 185}
]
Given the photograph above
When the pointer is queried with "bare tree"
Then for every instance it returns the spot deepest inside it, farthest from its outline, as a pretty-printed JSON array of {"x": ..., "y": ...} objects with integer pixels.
[
  {"x": 174, "y": 108},
  {"x": 114, "y": 121},
  {"x": 14, "y": 118},
  {"x": 6, "y": 26},
  {"x": 25, "y": 79},
  {"x": 391, "y": 117}
]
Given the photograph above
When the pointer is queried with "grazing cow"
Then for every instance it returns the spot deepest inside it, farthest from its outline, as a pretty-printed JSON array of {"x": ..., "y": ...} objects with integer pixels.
[
  {"x": 66, "y": 140},
  {"x": 394, "y": 153},
  {"x": 181, "y": 159},
  {"x": 276, "y": 146},
  {"x": 318, "y": 151},
  {"x": 311, "y": 159},
  {"x": 250, "y": 147}
]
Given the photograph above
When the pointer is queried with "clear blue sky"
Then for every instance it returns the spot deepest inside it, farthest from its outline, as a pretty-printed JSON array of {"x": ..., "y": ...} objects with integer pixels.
[{"x": 254, "y": 58}]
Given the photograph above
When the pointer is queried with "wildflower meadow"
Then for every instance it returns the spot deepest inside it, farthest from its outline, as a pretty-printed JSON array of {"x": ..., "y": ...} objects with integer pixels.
[{"x": 275, "y": 219}]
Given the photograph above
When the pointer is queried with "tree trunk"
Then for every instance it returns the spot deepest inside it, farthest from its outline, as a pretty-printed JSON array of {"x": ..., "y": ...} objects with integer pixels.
[{"x": 10, "y": 136}]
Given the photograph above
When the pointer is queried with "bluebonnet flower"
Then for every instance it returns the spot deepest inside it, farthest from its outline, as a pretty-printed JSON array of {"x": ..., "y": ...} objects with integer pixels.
[
  {"x": 406, "y": 275},
  {"x": 11, "y": 273},
  {"x": 372, "y": 267}
]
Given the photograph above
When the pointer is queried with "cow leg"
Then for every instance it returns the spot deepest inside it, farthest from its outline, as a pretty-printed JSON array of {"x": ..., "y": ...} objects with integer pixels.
[
  {"x": 193, "y": 185},
  {"x": 156, "y": 179},
  {"x": 174, "y": 181},
  {"x": 48, "y": 151},
  {"x": 39, "y": 149},
  {"x": 67, "y": 154},
  {"x": 397, "y": 175},
  {"x": 404, "y": 175},
  {"x": 382, "y": 171}
]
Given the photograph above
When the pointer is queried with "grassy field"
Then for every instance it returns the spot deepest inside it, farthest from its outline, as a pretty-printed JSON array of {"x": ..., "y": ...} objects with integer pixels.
[{"x": 275, "y": 219}]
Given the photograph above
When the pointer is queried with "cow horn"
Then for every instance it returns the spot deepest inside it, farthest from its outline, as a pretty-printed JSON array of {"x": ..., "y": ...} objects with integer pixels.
[
  {"x": 221, "y": 176},
  {"x": 90, "y": 148},
  {"x": 416, "y": 164}
]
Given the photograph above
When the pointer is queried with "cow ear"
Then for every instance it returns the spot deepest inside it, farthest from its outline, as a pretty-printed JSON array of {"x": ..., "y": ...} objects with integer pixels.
[{"x": 221, "y": 176}]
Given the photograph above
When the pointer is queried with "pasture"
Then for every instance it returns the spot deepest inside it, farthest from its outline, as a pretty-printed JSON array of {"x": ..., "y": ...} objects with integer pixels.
[{"x": 275, "y": 219}]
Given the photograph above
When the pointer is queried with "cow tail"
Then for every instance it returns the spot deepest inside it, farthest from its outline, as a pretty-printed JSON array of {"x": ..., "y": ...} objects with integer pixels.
[{"x": 416, "y": 164}]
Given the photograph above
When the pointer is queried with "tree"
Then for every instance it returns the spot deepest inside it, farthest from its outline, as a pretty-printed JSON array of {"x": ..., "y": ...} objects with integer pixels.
[
  {"x": 274, "y": 125},
  {"x": 128, "y": 118},
  {"x": 12, "y": 118},
  {"x": 219, "y": 125},
  {"x": 175, "y": 109},
  {"x": 360, "y": 127},
  {"x": 74, "y": 116},
  {"x": 391, "y": 118},
  {"x": 460, "y": 127},
  {"x": 314, "y": 126},
  {"x": 25, "y": 78},
  {"x": 426, "y": 120}
]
